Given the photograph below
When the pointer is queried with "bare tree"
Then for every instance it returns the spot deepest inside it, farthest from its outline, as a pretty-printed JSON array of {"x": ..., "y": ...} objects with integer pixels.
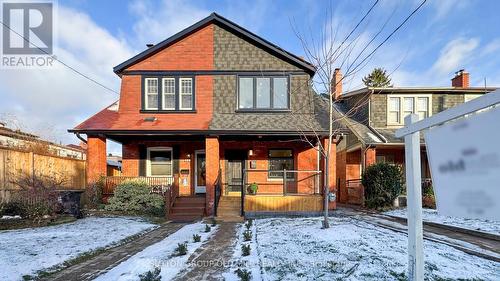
[{"x": 331, "y": 50}]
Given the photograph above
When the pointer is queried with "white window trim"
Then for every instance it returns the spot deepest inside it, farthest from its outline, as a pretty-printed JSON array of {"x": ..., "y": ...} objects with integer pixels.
[
  {"x": 164, "y": 93},
  {"x": 146, "y": 93},
  {"x": 401, "y": 107},
  {"x": 148, "y": 160},
  {"x": 182, "y": 94}
]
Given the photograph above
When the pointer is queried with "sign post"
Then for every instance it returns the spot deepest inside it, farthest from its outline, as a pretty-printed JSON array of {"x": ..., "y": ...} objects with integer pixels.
[{"x": 414, "y": 197}]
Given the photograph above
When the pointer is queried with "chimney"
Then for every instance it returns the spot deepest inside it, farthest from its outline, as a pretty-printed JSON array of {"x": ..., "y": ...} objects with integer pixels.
[
  {"x": 336, "y": 86},
  {"x": 149, "y": 45},
  {"x": 461, "y": 79}
]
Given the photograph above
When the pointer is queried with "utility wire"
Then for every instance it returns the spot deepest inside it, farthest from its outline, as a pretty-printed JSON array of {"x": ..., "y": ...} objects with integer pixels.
[{"x": 61, "y": 62}]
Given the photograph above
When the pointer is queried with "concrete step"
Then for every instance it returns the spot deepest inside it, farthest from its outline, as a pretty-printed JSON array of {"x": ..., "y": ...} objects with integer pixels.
[
  {"x": 230, "y": 198},
  {"x": 230, "y": 218},
  {"x": 188, "y": 204},
  {"x": 188, "y": 210},
  {"x": 184, "y": 218},
  {"x": 191, "y": 199},
  {"x": 229, "y": 204}
]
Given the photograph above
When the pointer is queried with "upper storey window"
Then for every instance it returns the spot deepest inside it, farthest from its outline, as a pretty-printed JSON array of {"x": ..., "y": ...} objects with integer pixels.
[
  {"x": 398, "y": 107},
  {"x": 263, "y": 93},
  {"x": 168, "y": 94}
]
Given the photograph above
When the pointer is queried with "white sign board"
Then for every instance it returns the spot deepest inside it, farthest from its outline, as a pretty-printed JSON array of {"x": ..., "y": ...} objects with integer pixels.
[{"x": 464, "y": 158}]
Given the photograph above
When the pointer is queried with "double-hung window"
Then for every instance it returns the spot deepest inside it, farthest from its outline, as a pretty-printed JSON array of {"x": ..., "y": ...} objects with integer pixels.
[
  {"x": 279, "y": 160},
  {"x": 398, "y": 107},
  {"x": 169, "y": 93},
  {"x": 151, "y": 93},
  {"x": 186, "y": 94},
  {"x": 263, "y": 93}
]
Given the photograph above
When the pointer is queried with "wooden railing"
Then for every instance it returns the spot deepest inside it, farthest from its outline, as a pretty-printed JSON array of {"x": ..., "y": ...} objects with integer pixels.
[
  {"x": 218, "y": 191},
  {"x": 291, "y": 182},
  {"x": 157, "y": 184},
  {"x": 355, "y": 192}
]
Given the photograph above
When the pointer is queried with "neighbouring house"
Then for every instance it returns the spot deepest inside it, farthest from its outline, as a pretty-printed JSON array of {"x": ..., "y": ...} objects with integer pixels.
[
  {"x": 213, "y": 111},
  {"x": 372, "y": 116},
  {"x": 113, "y": 165}
]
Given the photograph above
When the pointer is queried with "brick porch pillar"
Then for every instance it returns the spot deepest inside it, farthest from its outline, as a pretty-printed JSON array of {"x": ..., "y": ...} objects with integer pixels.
[
  {"x": 332, "y": 169},
  {"x": 212, "y": 171},
  {"x": 96, "y": 158},
  {"x": 370, "y": 156}
]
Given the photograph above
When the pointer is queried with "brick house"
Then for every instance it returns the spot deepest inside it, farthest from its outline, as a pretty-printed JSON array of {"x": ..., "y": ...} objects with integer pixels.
[
  {"x": 212, "y": 110},
  {"x": 372, "y": 115}
]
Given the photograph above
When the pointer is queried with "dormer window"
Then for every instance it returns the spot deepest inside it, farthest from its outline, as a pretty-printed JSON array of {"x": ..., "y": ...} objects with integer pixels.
[
  {"x": 168, "y": 94},
  {"x": 263, "y": 93}
]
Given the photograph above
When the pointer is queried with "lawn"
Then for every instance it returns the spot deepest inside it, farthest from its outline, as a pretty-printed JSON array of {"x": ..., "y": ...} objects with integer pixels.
[
  {"x": 28, "y": 251},
  {"x": 298, "y": 249},
  {"x": 431, "y": 215}
]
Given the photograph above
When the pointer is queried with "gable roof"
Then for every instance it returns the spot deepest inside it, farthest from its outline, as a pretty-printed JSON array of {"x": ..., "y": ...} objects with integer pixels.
[
  {"x": 229, "y": 25},
  {"x": 412, "y": 90}
]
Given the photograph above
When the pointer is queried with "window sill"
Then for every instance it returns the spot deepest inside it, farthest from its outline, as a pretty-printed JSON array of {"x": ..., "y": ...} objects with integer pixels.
[
  {"x": 166, "y": 111},
  {"x": 263, "y": 110}
]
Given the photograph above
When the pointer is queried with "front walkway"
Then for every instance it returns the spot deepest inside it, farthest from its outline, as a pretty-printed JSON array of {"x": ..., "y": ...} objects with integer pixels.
[
  {"x": 90, "y": 269},
  {"x": 210, "y": 260}
]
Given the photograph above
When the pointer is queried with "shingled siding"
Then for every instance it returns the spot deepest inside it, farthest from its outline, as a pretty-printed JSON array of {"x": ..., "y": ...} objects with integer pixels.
[
  {"x": 442, "y": 102},
  {"x": 358, "y": 107},
  {"x": 225, "y": 105},
  {"x": 234, "y": 53},
  {"x": 378, "y": 111}
]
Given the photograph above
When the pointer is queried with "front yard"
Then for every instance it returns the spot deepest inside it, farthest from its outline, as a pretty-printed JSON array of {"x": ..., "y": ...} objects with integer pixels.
[
  {"x": 28, "y": 251},
  {"x": 298, "y": 249}
]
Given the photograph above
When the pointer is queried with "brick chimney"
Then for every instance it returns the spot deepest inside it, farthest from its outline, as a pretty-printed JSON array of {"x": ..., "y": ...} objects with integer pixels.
[
  {"x": 461, "y": 79},
  {"x": 336, "y": 86}
]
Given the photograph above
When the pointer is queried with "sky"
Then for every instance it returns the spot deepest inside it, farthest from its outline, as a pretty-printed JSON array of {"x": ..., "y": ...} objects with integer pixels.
[{"x": 94, "y": 36}]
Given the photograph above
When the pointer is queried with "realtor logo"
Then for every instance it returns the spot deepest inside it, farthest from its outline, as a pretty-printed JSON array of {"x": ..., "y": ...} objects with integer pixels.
[{"x": 27, "y": 34}]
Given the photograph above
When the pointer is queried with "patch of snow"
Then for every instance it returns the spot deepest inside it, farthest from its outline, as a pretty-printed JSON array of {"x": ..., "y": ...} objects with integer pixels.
[
  {"x": 26, "y": 251},
  {"x": 160, "y": 255},
  {"x": 432, "y": 215},
  {"x": 298, "y": 249},
  {"x": 16, "y": 217}
]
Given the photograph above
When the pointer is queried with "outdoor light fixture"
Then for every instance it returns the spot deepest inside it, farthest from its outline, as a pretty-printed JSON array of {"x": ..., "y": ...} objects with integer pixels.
[
  {"x": 250, "y": 152},
  {"x": 150, "y": 119}
]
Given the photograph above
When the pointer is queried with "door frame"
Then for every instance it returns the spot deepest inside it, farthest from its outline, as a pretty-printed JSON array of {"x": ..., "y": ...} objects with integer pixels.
[
  {"x": 235, "y": 154},
  {"x": 196, "y": 186}
]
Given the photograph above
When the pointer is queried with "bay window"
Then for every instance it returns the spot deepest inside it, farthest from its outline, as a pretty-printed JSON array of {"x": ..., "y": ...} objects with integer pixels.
[{"x": 263, "y": 93}]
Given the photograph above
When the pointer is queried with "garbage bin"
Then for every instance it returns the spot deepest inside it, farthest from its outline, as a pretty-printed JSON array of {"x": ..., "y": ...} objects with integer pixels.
[{"x": 70, "y": 202}]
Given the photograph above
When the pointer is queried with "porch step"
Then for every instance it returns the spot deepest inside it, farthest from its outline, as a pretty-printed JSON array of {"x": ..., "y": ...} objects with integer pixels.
[
  {"x": 184, "y": 217},
  {"x": 229, "y": 207},
  {"x": 191, "y": 199},
  {"x": 187, "y": 209},
  {"x": 186, "y": 204}
]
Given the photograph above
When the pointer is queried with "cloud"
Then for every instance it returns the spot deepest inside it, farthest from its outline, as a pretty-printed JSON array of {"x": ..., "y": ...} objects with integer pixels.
[
  {"x": 57, "y": 98},
  {"x": 455, "y": 55}
]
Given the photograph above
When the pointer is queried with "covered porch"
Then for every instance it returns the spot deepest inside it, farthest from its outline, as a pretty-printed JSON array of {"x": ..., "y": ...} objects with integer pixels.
[{"x": 289, "y": 173}]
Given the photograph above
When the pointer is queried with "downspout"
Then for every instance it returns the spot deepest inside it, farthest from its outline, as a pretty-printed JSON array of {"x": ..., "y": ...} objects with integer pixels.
[{"x": 80, "y": 137}]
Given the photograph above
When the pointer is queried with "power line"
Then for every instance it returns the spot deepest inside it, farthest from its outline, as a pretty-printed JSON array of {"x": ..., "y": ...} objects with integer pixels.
[{"x": 61, "y": 62}]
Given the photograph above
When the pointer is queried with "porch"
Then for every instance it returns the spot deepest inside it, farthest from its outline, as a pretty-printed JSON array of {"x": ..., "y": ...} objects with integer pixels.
[{"x": 205, "y": 172}]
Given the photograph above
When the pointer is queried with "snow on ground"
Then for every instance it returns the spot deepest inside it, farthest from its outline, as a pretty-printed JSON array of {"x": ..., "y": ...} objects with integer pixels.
[
  {"x": 26, "y": 251},
  {"x": 298, "y": 249},
  {"x": 160, "y": 255},
  {"x": 431, "y": 215}
]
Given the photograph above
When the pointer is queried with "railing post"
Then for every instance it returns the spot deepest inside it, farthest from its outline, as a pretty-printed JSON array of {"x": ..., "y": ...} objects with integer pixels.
[
  {"x": 414, "y": 192},
  {"x": 284, "y": 182}
]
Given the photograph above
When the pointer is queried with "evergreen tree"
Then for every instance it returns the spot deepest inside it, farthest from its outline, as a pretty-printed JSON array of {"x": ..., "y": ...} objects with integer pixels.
[{"x": 377, "y": 78}]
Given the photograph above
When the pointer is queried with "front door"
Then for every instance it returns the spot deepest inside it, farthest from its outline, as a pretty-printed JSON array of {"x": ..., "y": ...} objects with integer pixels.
[
  {"x": 200, "y": 172},
  {"x": 234, "y": 170}
]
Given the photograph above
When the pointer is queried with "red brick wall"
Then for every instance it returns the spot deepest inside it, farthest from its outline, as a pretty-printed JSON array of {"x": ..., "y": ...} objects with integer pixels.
[
  {"x": 212, "y": 171},
  {"x": 96, "y": 158},
  {"x": 370, "y": 157},
  {"x": 194, "y": 52}
]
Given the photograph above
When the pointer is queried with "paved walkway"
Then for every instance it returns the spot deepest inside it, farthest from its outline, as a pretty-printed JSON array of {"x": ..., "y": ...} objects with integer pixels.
[
  {"x": 90, "y": 269},
  {"x": 208, "y": 262}
]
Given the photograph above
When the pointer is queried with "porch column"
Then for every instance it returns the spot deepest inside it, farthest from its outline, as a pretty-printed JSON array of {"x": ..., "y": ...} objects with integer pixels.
[
  {"x": 96, "y": 158},
  {"x": 370, "y": 156},
  {"x": 212, "y": 171},
  {"x": 331, "y": 169}
]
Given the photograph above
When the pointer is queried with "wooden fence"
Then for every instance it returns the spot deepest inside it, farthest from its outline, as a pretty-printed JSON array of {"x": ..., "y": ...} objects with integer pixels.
[{"x": 16, "y": 165}]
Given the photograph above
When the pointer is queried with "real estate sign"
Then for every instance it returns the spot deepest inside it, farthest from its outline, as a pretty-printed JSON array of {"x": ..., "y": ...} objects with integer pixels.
[{"x": 464, "y": 157}]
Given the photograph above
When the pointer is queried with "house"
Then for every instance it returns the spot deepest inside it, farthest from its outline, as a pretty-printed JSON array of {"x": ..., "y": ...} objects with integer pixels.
[
  {"x": 372, "y": 116},
  {"x": 214, "y": 110},
  {"x": 114, "y": 165}
]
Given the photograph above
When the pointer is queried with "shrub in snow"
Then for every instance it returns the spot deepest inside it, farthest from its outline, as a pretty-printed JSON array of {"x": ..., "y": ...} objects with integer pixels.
[
  {"x": 247, "y": 235},
  {"x": 214, "y": 222},
  {"x": 133, "y": 197},
  {"x": 152, "y": 275},
  {"x": 383, "y": 182},
  {"x": 11, "y": 208},
  {"x": 243, "y": 274},
  {"x": 245, "y": 250},
  {"x": 93, "y": 193},
  {"x": 181, "y": 249},
  {"x": 207, "y": 228},
  {"x": 196, "y": 238},
  {"x": 249, "y": 224}
]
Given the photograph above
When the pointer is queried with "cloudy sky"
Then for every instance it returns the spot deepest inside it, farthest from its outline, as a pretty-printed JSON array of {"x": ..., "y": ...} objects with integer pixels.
[{"x": 93, "y": 36}]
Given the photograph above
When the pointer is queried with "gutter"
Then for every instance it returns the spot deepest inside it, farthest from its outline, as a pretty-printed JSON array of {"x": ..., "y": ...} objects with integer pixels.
[{"x": 80, "y": 137}]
